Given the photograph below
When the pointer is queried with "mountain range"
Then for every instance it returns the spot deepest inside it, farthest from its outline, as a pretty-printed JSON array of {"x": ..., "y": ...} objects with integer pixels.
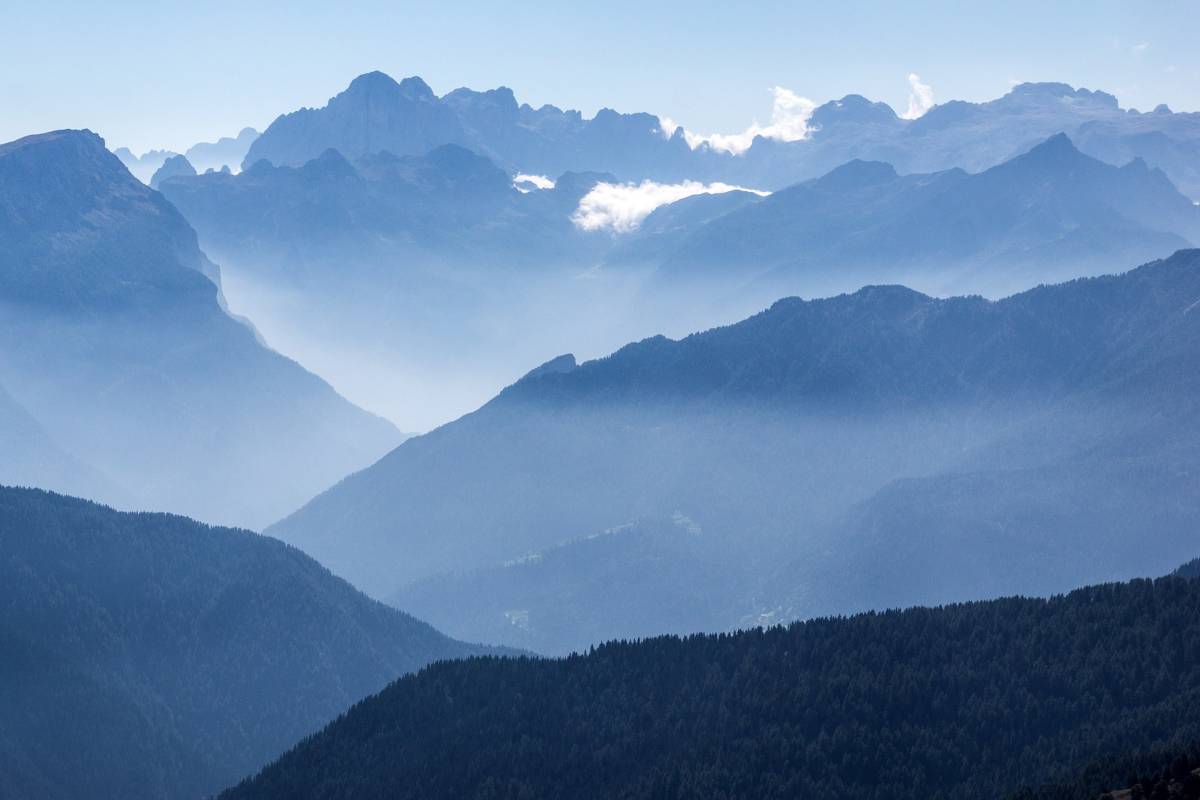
[
  {"x": 342, "y": 262},
  {"x": 149, "y": 656},
  {"x": 376, "y": 113},
  {"x": 863, "y": 451},
  {"x": 115, "y": 340},
  {"x": 1050, "y": 214}
]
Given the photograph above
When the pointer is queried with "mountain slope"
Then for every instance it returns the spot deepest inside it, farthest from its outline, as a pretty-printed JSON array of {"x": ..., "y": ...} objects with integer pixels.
[
  {"x": 964, "y": 701},
  {"x": 112, "y": 329},
  {"x": 149, "y": 656},
  {"x": 773, "y": 433}
]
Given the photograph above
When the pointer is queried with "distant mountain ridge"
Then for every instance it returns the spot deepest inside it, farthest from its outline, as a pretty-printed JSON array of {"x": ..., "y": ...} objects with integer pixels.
[
  {"x": 149, "y": 656},
  {"x": 114, "y": 336},
  {"x": 377, "y": 113},
  {"x": 226, "y": 152},
  {"x": 1050, "y": 214}
]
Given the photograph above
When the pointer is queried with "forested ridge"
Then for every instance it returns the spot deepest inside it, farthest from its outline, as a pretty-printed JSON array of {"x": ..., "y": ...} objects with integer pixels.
[
  {"x": 150, "y": 656},
  {"x": 963, "y": 701},
  {"x": 1189, "y": 570}
]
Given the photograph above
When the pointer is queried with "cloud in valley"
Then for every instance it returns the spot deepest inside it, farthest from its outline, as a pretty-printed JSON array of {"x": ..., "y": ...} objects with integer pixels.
[
  {"x": 790, "y": 114},
  {"x": 621, "y": 207},
  {"x": 920, "y": 97},
  {"x": 527, "y": 183}
]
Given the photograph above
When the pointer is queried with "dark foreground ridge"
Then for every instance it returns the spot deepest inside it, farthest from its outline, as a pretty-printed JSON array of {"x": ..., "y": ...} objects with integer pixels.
[
  {"x": 963, "y": 701},
  {"x": 150, "y": 656}
]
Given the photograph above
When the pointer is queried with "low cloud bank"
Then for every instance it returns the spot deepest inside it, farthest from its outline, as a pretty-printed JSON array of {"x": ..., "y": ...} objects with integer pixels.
[
  {"x": 789, "y": 123},
  {"x": 621, "y": 207},
  {"x": 527, "y": 183}
]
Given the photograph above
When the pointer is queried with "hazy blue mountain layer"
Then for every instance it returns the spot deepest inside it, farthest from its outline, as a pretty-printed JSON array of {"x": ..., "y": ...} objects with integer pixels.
[
  {"x": 113, "y": 335},
  {"x": 149, "y": 656},
  {"x": 868, "y": 450},
  {"x": 228, "y": 151},
  {"x": 399, "y": 267}
]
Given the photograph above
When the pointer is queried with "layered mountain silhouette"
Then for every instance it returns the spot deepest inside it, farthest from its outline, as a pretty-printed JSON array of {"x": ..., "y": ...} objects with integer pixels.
[
  {"x": 149, "y": 656},
  {"x": 867, "y": 450},
  {"x": 377, "y": 113},
  {"x": 342, "y": 261},
  {"x": 964, "y": 701},
  {"x": 429, "y": 273},
  {"x": 113, "y": 335},
  {"x": 144, "y": 166},
  {"x": 226, "y": 152}
]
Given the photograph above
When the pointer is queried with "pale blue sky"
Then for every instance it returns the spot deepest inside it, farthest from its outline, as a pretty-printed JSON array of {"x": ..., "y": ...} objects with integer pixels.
[{"x": 167, "y": 75}]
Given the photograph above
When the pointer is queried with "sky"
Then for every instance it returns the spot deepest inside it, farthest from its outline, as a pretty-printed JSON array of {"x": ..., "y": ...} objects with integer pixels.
[{"x": 147, "y": 75}]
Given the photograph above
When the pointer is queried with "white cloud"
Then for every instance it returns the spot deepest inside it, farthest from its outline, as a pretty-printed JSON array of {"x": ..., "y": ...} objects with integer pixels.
[
  {"x": 920, "y": 97},
  {"x": 621, "y": 207},
  {"x": 1140, "y": 47},
  {"x": 789, "y": 123},
  {"x": 667, "y": 126},
  {"x": 525, "y": 183}
]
